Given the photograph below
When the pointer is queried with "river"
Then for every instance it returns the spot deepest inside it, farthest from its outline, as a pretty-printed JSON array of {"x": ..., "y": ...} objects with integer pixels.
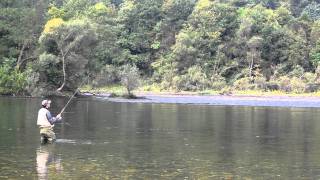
[{"x": 100, "y": 139}]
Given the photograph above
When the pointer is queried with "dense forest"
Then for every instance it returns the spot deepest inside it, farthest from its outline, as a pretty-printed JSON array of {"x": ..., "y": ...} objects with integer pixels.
[{"x": 191, "y": 45}]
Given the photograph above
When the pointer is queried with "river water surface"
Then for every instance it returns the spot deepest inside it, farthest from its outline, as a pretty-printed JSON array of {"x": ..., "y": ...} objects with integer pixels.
[{"x": 120, "y": 140}]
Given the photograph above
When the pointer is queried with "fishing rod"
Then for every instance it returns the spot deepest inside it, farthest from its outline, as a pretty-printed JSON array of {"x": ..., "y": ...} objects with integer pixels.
[{"x": 64, "y": 108}]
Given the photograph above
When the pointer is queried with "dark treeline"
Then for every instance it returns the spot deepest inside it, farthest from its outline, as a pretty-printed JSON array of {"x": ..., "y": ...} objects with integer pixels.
[{"x": 189, "y": 45}]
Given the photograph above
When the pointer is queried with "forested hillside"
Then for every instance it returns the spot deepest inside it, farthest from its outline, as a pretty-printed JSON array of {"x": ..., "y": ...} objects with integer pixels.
[{"x": 193, "y": 45}]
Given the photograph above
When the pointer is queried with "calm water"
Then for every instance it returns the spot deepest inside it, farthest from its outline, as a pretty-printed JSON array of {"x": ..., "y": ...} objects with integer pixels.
[{"x": 108, "y": 140}]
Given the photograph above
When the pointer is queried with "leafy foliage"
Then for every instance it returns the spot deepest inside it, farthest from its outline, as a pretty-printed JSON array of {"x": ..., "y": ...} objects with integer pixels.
[
  {"x": 189, "y": 45},
  {"x": 12, "y": 81}
]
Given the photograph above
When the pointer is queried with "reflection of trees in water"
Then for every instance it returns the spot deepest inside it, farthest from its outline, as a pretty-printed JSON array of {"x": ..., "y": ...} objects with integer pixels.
[{"x": 46, "y": 159}]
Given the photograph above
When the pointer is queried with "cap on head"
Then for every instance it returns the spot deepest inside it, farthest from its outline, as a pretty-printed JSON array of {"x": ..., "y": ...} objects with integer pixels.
[{"x": 45, "y": 102}]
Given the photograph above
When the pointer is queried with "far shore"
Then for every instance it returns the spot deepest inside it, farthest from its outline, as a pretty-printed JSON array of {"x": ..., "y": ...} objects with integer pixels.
[
  {"x": 266, "y": 100},
  {"x": 245, "y": 98}
]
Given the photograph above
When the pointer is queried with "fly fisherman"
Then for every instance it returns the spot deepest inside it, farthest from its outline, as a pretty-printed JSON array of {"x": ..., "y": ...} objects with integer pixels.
[{"x": 46, "y": 122}]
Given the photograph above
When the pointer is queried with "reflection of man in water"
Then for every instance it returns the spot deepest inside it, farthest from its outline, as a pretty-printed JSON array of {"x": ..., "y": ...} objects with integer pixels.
[
  {"x": 46, "y": 122},
  {"x": 46, "y": 159}
]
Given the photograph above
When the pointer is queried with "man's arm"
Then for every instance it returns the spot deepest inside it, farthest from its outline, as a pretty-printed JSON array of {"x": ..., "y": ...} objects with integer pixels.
[{"x": 53, "y": 120}]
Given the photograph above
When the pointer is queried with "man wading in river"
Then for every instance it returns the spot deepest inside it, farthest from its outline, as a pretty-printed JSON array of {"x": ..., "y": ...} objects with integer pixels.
[{"x": 46, "y": 122}]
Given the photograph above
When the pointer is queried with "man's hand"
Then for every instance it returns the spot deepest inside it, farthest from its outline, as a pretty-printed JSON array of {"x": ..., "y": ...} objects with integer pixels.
[{"x": 59, "y": 116}]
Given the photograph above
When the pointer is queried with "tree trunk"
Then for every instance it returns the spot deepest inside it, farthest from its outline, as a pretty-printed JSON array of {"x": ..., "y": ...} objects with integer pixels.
[
  {"x": 64, "y": 71},
  {"x": 251, "y": 65},
  {"x": 129, "y": 92},
  {"x": 216, "y": 64},
  {"x": 19, "y": 61}
]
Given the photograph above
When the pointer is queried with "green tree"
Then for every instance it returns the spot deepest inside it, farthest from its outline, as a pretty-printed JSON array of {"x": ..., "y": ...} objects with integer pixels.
[
  {"x": 19, "y": 30},
  {"x": 197, "y": 44},
  {"x": 130, "y": 78},
  {"x": 138, "y": 19},
  {"x": 254, "y": 45},
  {"x": 312, "y": 11},
  {"x": 315, "y": 54},
  {"x": 12, "y": 81},
  {"x": 71, "y": 43}
]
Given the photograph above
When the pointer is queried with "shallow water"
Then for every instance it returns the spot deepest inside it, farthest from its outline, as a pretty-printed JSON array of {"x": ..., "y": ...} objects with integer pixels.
[{"x": 119, "y": 140}]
